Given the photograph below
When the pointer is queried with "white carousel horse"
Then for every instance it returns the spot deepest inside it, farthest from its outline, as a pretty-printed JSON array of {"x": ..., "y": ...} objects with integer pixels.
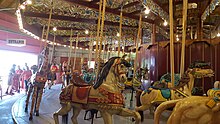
[
  {"x": 193, "y": 109},
  {"x": 105, "y": 95},
  {"x": 156, "y": 96}
]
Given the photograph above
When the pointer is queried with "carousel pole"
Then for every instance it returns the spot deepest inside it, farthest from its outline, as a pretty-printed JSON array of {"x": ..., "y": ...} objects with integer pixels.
[
  {"x": 71, "y": 45},
  {"x": 51, "y": 58},
  {"x": 77, "y": 40},
  {"x": 101, "y": 35},
  {"x": 98, "y": 29},
  {"x": 42, "y": 36},
  {"x": 182, "y": 63},
  {"x": 171, "y": 42},
  {"x": 138, "y": 38},
  {"x": 123, "y": 52},
  {"x": 48, "y": 26},
  {"x": 97, "y": 38},
  {"x": 119, "y": 40},
  {"x": 90, "y": 49},
  {"x": 103, "y": 55}
]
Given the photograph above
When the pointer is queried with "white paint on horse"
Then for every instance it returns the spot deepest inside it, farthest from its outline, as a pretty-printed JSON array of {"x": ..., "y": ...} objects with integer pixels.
[{"x": 217, "y": 84}]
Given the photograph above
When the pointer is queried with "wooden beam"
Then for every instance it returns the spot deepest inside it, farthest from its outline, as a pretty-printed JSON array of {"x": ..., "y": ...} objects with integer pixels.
[
  {"x": 128, "y": 5},
  {"x": 206, "y": 3},
  {"x": 135, "y": 12},
  {"x": 72, "y": 19},
  {"x": 108, "y": 10},
  {"x": 160, "y": 5}
]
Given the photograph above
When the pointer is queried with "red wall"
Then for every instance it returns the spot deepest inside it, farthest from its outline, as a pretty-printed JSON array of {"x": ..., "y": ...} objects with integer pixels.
[
  {"x": 159, "y": 57},
  {"x": 9, "y": 30}
]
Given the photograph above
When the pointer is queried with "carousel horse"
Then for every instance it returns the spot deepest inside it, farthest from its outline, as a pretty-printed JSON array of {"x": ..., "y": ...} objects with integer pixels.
[
  {"x": 193, "y": 109},
  {"x": 105, "y": 95},
  {"x": 38, "y": 81},
  {"x": 151, "y": 96}
]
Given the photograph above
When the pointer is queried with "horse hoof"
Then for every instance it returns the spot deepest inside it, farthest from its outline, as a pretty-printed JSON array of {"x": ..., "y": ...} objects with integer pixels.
[
  {"x": 26, "y": 109},
  {"x": 37, "y": 113},
  {"x": 30, "y": 118}
]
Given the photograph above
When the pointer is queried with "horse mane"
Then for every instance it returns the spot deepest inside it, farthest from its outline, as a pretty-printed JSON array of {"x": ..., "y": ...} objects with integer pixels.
[{"x": 104, "y": 72}]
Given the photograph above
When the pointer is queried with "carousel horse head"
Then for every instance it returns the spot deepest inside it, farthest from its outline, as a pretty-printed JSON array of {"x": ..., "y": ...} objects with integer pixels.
[{"x": 117, "y": 67}]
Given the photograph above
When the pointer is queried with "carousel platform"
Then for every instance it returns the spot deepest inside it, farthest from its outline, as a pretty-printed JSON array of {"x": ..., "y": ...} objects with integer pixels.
[{"x": 50, "y": 104}]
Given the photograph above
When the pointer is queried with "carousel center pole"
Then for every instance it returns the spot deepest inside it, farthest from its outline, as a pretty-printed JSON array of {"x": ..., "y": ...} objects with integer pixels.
[
  {"x": 185, "y": 3},
  {"x": 171, "y": 42}
]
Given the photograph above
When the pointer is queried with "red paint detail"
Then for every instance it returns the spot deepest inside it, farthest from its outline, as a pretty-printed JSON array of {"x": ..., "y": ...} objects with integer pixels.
[{"x": 82, "y": 92}]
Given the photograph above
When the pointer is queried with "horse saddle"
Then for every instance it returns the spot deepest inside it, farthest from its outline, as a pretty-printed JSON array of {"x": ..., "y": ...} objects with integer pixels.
[
  {"x": 78, "y": 81},
  {"x": 165, "y": 93}
]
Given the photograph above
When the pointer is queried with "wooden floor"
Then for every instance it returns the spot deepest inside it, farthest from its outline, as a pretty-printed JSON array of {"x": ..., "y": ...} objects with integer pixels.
[{"x": 50, "y": 104}]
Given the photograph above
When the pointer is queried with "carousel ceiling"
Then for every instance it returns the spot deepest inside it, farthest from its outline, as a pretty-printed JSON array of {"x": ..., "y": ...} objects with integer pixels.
[{"x": 80, "y": 15}]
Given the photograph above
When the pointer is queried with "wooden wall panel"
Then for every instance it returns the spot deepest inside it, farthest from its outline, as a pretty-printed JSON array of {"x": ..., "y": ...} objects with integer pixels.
[
  {"x": 162, "y": 62},
  {"x": 159, "y": 60}
]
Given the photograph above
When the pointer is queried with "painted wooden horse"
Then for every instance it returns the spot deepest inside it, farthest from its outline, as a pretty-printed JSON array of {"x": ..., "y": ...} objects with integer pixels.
[
  {"x": 193, "y": 109},
  {"x": 38, "y": 83},
  {"x": 153, "y": 96},
  {"x": 105, "y": 95}
]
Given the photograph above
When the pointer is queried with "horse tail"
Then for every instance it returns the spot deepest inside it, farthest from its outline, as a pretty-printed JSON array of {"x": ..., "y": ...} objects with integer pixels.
[{"x": 163, "y": 106}]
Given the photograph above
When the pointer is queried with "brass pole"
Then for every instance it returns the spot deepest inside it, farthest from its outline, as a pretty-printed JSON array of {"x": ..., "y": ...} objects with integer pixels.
[
  {"x": 54, "y": 38},
  {"x": 182, "y": 63},
  {"x": 120, "y": 26},
  {"x": 90, "y": 49},
  {"x": 138, "y": 38},
  {"x": 171, "y": 42},
  {"x": 101, "y": 35},
  {"x": 71, "y": 44},
  {"x": 98, "y": 30},
  {"x": 48, "y": 26},
  {"x": 77, "y": 40},
  {"x": 42, "y": 37}
]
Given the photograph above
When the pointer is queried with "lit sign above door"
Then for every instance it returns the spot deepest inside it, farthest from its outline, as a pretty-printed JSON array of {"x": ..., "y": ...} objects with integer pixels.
[{"x": 16, "y": 42}]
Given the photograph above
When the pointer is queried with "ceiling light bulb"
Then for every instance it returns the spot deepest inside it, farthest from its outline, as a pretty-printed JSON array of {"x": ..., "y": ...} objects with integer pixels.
[
  {"x": 147, "y": 10},
  {"x": 118, "y": 34},
  {"x": 165, "y": 23},
  {"x": 54, "y": 29},
  {"x": 86, "y": 32},
  {"x": 218, "y": 35},
  {"x": 22, "y": 6},
  {"x": 29, "y": 2},
  {"x": 177, "y": 39}
]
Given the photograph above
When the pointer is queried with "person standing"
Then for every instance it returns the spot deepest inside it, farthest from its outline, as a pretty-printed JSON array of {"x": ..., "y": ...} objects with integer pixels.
[
  {"x": 10, "y": 80},
  {"x": 18, "y": 72},
  {"x": 26, "y": 76}
]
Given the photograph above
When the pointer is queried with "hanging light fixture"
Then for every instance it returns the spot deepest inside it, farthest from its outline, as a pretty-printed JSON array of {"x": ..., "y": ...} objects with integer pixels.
[
  {"x": 147, "y": 10},
  {"x": 86, "y": 31},
  {"x": 54, "y": 28},
  {"x": 165, "y": 23},
  {"x": 218, "y": 35}
]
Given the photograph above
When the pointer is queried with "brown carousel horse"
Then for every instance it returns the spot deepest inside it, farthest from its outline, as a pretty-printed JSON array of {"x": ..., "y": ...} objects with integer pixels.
[
  {"x": 37, "y": 84},
  {"x": 105, "y": 95},
  {"x": 153, "y": 96}
]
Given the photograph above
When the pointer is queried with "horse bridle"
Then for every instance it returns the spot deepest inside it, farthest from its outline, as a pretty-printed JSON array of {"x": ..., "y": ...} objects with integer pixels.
[{"x": 118, "y": 72}]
